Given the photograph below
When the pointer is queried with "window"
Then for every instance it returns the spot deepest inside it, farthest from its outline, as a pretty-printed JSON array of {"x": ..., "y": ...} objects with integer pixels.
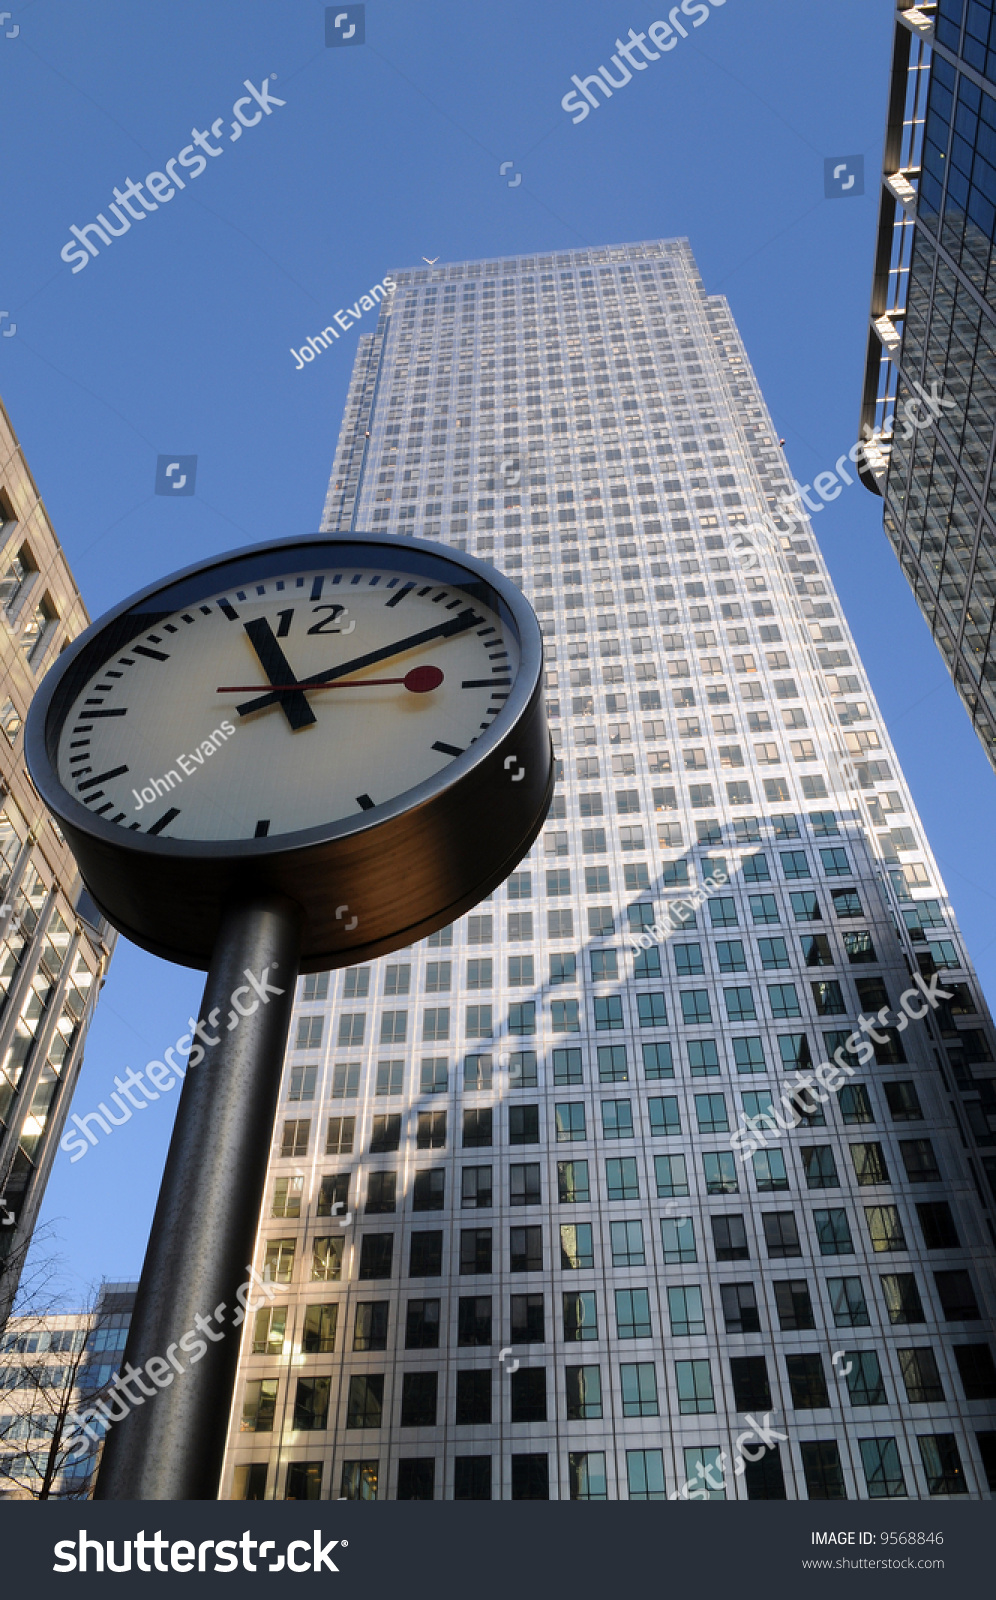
[
  {"x": 885, "y": 1229},
  {"x": 621, "y": 1178},
  {"x": 670, "y": 1173},
  {"x": 586, "y": 1472},
  {"x": 720, "y": 1172},
  {"x": 418, "y": 1400},
  {"x": 376, "y": 1253},
  {"x": 526, "y": 1249},
  {"x": 352, "y": 1027},
  {"x": 563, "y": 967},
  {"x": 711, "y": 1113},
  {"x": 833, "y": 1232},
  {"x": 730, "y": 955},
  {"x": 769, "y": 1171},
  {"x": 807, "y": 1382},
  {"x": 479, "y": 973},
  {"x": 530, "y": 1473},
  {"x": 795, "y": 864},
  {"x": 422, "y": 1325},
  {"x": 847, "y": 1300},
  {"x": 385, "y": 1134},
  {"x": 685, "y": 1311},
  {"x": 855, "y": 1106},
  {"x": 346, "y": 1081},
  {"x": 633, "y": 1314},
  {"x": 428, "y": 1189},
  {"x": 430, "y": 1130},
  {"x": 523, "y": 1125},
  {"x": 864, "y": 1380},
  {"x": 639, "y": 1389},
  {"x": 819, "y": 1166},
  {"x": 764, "y": 908},
  {"x": 617, "y": 1119},
  {"x": 750, "y": 1383},
  {"x": 287, "y": 1197},
  {"x": 580, "y": 1316},
  {"x": 657, "y": 1061},
  {"x": 390, "y": 1077},
  {"x": 740, "y": 1309},
  {"x": 584, "y": 1394},
  {"x": 937, "y": 1225},
  {"x": 781, "y": 1233},
  {"x": 370, "y": 1325},
  {"x": 434, "y": 1074},
  {"x": 977, "y": 1369},
  {"x": 326, "y": 1259},
  {"x": 522, "y": 1072},
  {"x": 957, "y": 1296},
  {"x": 524, "y": 1184},
  {"x": 476, "y": 1188},
  {"x": 729, "y": 1238},
  {"x": 835, "y": 862},
  {"x": 695, "y": 1393},
  {"x": 645, "y": 1474},
  {"x": 522, "y": 1016},
  {"x": 651, "y": 1011},
  {"x": 695, "y": 1007},
  {"x": 570, "y": 1122},
  {"x": 883, "y": 1472},
  {"x": 572, "y": 1182},
  {"x": 477, "y": 1127},
  {"x": 678, "y": 1240},
  {"x": 474, "y": 1320},
  {"x": 294, "y": 1141},
  {"x": 783, "y": 1000},
  {"x": 869, "y": 1163},
  {"x": 365, "y": 1400},
  {"x": 473, "y": 1397},
  {"x": 520, "y": 925},
  {"x": 920, "y": 1376},
  {"x": 942, "y": 1463},
  {"x": 472, "y": 1478},
  {"x": 355, "y": 987},
  {"x": 823, "y": 1470},
  {"x": 739, "y": 1005},
  {"x": 902, "y": 1298},
  {"x": 303, "y": 1481},
  {"x": 567, "y": 1066},
  {"x": 477, "y": 1073},
  {"x": 528, "y": 1397},
  {"x": 302, "y": 1083},
  {"x": 259, "y": 1403},
  {"x": 608, "y": 1011},
  {"x": 397, "y": 980},
  {"x": 723, "y": 912},
  {"x": 479, "y": 930},
  {"x": 846, "y": 903},
  {"x": 278, "y": 1261},
  {"x": 269, "y": 1328},
  {"x": 904, "y": 1104},
  {"x": 333, "y": 1194},
  {"x": 626, "y": 1239},
  {"x": 394, "y": 1027},
  {"x": 748, "y": 1054}
]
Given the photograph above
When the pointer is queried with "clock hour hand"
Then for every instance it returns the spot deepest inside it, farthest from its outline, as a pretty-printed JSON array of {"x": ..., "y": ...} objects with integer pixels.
[
  {"x": 444, "y": 630},
  {"x": 278, "y": 670}
]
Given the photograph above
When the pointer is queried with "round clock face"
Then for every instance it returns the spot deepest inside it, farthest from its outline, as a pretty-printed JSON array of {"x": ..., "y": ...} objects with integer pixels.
[{"x": 288, "y": 702}]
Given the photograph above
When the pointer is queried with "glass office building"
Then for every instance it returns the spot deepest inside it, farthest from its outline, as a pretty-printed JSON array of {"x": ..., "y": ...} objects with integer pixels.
[
  {"x": 512, "y": 1251},
  {"x": 933, "y": 334},
  {"x": 54, "y": 944}
]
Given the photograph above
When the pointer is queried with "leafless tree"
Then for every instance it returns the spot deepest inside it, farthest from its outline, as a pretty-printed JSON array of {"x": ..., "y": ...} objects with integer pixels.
[{"x": 42, "y": 1385}]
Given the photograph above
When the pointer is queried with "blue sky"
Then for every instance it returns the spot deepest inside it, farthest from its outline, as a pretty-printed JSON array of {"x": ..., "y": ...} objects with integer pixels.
[{"x": 177, "y": 336}]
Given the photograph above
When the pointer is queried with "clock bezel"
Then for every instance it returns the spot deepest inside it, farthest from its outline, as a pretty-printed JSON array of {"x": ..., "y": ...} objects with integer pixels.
[{"x": 110, "y": 856}]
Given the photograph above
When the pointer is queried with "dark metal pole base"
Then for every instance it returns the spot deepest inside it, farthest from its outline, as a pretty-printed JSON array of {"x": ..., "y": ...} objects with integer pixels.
[{"x": 170, "y": 1441}]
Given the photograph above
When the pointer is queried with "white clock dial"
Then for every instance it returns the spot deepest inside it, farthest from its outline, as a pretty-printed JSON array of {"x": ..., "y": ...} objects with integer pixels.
[{"x": 197, "y": 729}]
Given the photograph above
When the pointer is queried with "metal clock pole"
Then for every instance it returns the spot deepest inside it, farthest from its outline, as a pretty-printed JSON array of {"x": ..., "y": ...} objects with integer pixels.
[{"x": 170, "y": 1445}]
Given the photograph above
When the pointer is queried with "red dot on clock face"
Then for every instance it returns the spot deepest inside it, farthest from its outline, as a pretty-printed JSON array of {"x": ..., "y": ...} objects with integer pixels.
[{"x": 421, "y": 679}]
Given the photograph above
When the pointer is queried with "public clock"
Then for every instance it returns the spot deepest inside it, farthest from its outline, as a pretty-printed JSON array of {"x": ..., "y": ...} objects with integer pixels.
[{"x": 356, "y": 722}]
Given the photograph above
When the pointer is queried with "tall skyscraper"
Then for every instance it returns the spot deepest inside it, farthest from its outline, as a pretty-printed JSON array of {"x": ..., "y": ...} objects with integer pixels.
[
  {"x": 933, "y": 334},
  {"x": 513, "y": 1251},
  {"x": 54, "y": 945}
]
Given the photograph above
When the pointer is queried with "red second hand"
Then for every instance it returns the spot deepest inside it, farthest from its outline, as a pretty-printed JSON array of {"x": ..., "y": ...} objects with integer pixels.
[{"x": 420, "y": 680}]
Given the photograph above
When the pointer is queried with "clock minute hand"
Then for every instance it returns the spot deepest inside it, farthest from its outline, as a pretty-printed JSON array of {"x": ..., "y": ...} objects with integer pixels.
[
  {"x": 278, "y": 670},
  {"x": 444, "y": 630}
]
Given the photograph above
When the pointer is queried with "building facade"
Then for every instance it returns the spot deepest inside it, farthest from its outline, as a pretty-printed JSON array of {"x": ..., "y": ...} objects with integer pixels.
[
  {"x": 54, "y": 946},
  {"x": 53, "y": 1367},
  {"x": 512, "y": 1248},
  {"x": 933, "y": 334}
]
